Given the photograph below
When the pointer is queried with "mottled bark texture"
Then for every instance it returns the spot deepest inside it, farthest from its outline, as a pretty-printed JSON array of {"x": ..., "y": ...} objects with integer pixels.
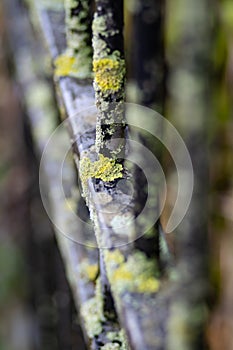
[
  {"x": 189, "y": 43},
  {"x": 109, "y": 77},
  {"x": 78, "y": 36}
]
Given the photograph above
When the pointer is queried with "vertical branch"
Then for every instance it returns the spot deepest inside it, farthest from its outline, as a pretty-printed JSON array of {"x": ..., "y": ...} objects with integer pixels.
[
  {"x": 109, "y": 81},
  {"x": 189, "y": 39},
  {"x": 148, "y": 53},
  {"x": 77, "y": 60},
  {"x": 148, "y": 76},
  {"x": 109, "y": 85}
]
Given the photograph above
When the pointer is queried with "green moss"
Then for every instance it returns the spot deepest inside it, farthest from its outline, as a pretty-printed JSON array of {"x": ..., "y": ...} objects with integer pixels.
[{"x": 137, "y": 274}]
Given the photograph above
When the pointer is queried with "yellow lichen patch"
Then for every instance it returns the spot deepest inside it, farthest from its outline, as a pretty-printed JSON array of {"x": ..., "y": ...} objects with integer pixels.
[
  {"x": 64, "y": 65},
  {"x": 137, "y": 274},
  {"x": 114, "y": 257},
  {"x": 89, "y": 271},
  {"x": 92, "y": 271},
  {"x": 147, "y": 285},
  {"x": 122, "y": 273},
  {"x": 105, "y": 169},
  {"x": 109, "y": 73}
]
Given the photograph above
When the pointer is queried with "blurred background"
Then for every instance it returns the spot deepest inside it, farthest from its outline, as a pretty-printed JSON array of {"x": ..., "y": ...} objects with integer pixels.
[{"x": 36, "y": 306}]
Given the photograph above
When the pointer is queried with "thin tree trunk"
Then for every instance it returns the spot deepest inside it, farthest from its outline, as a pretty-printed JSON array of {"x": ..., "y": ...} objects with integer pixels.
[
  {"x": 148, "y": 53},
  {"x": 109, "y": 81},
  {"x": 148, "y": 78},
  {"x": 189, "y": 43}
]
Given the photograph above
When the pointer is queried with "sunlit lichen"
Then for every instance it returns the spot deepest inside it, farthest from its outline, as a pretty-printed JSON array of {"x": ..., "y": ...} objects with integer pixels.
[
  {"x": 109, "y": 73},
  {"x": 105, "y": 169}
]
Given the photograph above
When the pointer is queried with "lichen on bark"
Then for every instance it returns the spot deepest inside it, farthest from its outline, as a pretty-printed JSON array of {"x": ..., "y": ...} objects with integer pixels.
[
  {"x": 138, "y": 274},
  {"x": 77, "y": 59},
  {"x": 109, "y": 77},
  {"x": 104, "y": 168}
]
